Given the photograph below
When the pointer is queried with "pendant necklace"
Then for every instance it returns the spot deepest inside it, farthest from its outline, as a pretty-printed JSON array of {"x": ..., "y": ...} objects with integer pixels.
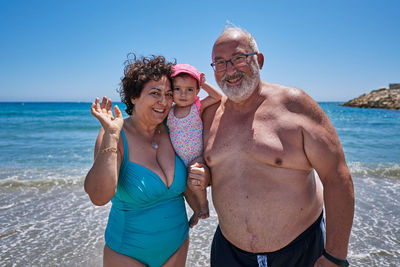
[
  {"x": 153, "y": 142},
  {"x": 155, "y": 139}
]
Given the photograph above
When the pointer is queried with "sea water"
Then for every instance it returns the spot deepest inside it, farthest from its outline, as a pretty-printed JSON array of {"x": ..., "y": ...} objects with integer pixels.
[{"x": 46, "y": 219}]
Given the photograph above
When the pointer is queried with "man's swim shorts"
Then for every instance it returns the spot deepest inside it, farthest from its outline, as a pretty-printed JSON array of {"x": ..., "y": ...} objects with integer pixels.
[{"x": 302, "y": 251}]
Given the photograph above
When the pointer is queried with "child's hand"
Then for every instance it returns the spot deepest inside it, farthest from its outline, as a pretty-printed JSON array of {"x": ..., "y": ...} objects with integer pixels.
[{"x": 202, "y": 79}]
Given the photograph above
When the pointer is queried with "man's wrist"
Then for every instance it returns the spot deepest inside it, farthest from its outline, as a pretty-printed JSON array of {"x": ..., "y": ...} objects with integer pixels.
[{"x": 338, "y": 262}]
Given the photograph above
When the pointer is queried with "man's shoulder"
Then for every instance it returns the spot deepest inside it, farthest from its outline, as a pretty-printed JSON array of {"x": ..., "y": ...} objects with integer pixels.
[
  {"x": 292, "y": 99},
  {"x": 210, "y": 111},
  {"x": 283, "y": 93}
]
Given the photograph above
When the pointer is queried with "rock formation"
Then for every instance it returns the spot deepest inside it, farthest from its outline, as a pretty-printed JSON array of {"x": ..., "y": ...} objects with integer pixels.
[{"x": 388, "y": 98}]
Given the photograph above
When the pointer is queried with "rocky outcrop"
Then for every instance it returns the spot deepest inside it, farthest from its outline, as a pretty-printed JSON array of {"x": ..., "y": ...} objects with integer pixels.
[{"x": 381, "y": 98}]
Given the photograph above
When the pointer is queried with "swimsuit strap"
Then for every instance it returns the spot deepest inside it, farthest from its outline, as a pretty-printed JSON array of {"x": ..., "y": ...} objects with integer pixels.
[
  {"x": 166, "y": 126},
  {"x": 126, "y": 152}
]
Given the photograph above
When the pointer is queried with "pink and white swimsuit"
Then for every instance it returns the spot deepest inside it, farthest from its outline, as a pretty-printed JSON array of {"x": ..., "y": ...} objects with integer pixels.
[{"x": 186, "y": 133}]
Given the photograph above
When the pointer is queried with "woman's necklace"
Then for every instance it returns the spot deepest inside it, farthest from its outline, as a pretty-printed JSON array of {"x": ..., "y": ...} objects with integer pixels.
[
  {"x": 156, "y": 139},
  {"x": 154, "y": 145}
]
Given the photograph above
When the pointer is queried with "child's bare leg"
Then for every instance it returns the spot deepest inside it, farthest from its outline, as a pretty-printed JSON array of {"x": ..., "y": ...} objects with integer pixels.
[
  {"x": 201, "y": 197},
  {"x": 191, "y": 199}
]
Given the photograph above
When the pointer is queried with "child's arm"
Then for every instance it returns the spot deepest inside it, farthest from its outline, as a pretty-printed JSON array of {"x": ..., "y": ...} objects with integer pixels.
[{"x": 213, "y": 94}]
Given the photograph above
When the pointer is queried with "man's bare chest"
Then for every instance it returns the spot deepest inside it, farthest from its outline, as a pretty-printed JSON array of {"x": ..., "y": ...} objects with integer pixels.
[{"x": 264, "y": 138}]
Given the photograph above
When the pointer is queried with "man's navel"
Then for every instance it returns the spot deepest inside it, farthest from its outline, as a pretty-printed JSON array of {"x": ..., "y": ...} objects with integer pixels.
[{"x": 278, "y": 161}]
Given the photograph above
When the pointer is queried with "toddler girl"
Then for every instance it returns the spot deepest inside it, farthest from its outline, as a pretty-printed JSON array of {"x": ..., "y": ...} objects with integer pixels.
[{"x": 184, "y": 120}]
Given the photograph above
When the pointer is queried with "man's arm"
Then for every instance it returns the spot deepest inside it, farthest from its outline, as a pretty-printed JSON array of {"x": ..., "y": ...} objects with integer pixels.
[{"x": 325, "y": 154}]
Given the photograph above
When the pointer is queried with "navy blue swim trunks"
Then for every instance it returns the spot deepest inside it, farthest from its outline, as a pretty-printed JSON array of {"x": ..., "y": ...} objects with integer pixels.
[{"x": 301, "y": 252}]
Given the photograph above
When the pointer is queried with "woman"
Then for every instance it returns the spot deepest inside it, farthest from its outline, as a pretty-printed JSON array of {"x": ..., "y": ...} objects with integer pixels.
[{"x": 136, "y": 167}]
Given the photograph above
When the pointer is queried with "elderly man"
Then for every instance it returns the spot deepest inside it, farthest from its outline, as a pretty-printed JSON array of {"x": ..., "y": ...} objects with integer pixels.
[{"x": 262, "y": 143}]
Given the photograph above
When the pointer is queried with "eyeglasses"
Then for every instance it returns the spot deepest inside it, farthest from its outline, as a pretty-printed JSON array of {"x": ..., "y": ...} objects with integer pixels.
[{"x": 238, "y": 61}]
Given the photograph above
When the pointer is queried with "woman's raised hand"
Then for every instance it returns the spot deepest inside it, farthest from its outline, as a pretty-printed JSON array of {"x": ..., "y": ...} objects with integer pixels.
[{"x": 104, "y": 114}]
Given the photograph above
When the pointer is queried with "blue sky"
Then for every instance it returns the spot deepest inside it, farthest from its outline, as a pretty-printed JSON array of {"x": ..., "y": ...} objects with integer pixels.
[{"x": 335, "y": 50}]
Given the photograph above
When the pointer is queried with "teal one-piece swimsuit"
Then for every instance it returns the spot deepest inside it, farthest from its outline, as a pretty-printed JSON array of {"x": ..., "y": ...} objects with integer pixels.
[{"x": 147, "y": 220}]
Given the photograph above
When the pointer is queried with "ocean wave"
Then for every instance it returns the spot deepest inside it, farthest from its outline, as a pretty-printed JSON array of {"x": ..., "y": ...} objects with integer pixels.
[
  {"x": 383, "y": 170},
  {"x": 41, "y": 183},
  {"x": 42, "y": 178}
]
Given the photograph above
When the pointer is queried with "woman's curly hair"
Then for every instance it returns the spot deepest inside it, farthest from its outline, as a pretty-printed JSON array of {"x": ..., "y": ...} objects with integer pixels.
[{"x": 139, "y": 71}]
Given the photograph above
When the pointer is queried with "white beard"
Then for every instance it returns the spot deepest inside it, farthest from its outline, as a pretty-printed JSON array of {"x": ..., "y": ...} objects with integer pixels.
[{"x": 243, "y": 91}]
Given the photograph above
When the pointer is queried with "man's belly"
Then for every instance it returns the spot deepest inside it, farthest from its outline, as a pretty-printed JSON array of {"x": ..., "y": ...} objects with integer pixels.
[{"x": 263, "y": 212}]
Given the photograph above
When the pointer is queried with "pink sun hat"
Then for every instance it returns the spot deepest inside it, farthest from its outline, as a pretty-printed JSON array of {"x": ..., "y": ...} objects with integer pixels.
[{"x": 186, "y": 68}]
